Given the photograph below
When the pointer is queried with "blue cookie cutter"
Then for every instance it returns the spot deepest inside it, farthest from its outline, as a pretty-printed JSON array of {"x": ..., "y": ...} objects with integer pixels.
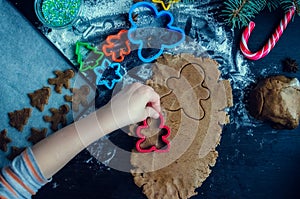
[
  {"x": 157, "y": 15},
  {"x": 99, "y": 72}
]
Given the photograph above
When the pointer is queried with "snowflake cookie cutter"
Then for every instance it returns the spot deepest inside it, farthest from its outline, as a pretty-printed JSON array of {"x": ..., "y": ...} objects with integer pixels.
[
  {"x": 111, "y": 43},
  {"x": 81, "y": 63},
  {"x": 143, "y": 138},
  {"x": 106, "y": 82},
  {"x": 156, "y": 14}
]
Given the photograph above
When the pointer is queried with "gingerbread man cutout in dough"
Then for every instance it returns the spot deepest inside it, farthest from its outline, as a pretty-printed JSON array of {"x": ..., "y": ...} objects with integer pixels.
[{"x": 189, "y": 90}]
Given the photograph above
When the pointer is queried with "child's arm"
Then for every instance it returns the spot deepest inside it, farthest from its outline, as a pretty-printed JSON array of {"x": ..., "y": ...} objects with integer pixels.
[
  {"x": 29, "y": 171},
  {"x": 127, "y": 107}
]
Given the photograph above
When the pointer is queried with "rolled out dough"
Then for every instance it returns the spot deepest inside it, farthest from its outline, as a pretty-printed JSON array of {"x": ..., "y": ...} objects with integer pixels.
[{"x": 193, "y": 100}]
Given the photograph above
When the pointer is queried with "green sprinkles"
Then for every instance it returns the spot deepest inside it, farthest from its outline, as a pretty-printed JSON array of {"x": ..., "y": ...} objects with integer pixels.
[{"x": 60, "y": 12}]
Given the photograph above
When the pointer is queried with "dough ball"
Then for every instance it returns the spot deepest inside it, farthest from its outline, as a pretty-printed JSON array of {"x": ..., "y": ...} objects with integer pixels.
[{"x": 276, "y": 99}]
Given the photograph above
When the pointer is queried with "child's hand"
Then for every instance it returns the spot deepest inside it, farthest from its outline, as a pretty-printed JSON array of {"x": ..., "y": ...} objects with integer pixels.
[
  {"x": 127, "y": 107},
  {"x": 134, "y": 104}
]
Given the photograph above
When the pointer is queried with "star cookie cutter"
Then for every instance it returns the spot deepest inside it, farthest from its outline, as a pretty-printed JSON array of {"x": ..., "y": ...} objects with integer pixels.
[
  {"x": 142, "y": 137},
  {"x": 156, "y": 15},
  {"x": 100, "y": 70},
  {"x": 120, "y": 41},
  {"x": 165, "y": 7},
  {"x": 83, "y": 68}
]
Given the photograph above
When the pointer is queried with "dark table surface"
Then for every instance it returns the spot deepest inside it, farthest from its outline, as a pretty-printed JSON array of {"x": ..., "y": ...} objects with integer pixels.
[{"x": 255, "y": 161}]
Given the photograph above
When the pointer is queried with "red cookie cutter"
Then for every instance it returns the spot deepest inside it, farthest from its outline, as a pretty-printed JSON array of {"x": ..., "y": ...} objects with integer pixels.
[
  {"x": 112, "y": 41},
  {"x": 143, "y": 137}
]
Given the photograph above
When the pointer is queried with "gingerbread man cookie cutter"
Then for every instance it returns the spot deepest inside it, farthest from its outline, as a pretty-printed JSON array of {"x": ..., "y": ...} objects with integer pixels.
[
  {"x": 156, "y": 14},
  {"x": 143, "y": 138},
  {"x": 119, "y": 40}
]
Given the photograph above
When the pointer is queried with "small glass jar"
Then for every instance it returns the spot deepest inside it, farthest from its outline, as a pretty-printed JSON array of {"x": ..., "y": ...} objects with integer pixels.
[{"x": 57, "y": 13}]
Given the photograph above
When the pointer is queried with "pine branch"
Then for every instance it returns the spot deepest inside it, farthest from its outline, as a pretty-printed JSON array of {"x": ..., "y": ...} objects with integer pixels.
[
  {"x": 273, "y": 4},
  {"x": 238, "y": 13},
  {"x": 286, "y": 4}
]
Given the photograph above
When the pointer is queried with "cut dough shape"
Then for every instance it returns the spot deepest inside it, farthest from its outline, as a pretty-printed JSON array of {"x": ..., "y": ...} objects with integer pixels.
[
  {"x": 58, "y": 117},
  {"x": 19, "y": 118},
  {"x": 40, "y": 98},
  {"x": 79, "y": 97},
  {"x": 4, "y": 140},
  {"x": 184, "y": 168},
  {"x": 188, "y": 88},
  {"x": 37, "y": 135},
  {"x": 62, "y": 79}
]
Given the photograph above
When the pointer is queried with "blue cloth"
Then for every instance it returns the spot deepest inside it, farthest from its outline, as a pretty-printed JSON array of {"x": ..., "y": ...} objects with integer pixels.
[
  {"x": 22, "y": 178},
  {"x": 27, "y": 61}
]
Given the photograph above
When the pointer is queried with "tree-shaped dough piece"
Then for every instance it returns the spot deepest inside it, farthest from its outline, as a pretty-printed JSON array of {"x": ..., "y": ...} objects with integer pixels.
[
  {"x": 79, "y": 97},
  {"x": 58, "y": 116},
  {"x": 4, "y": 140},
  {"x": 19, "y": 118},
  {"x": 62, "y": 79},
  {"x": 40, "y": 97}
]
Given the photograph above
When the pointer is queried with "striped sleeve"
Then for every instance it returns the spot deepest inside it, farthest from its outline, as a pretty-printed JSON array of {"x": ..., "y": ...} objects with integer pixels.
[{"x": 22, "y": 178}]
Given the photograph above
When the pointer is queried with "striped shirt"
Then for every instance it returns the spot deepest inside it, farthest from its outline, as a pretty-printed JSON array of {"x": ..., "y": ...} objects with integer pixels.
[{"x": 22, "y": 178}]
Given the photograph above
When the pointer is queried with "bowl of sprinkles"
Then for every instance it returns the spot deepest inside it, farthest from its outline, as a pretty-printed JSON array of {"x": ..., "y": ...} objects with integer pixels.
[{"x": 57, "y": 13}]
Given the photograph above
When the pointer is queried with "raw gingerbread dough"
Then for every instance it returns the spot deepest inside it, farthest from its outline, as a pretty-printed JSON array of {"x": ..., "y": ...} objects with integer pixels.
[
  {"x": 276, "y": 99},
  {"x": 193, "y": 101}
]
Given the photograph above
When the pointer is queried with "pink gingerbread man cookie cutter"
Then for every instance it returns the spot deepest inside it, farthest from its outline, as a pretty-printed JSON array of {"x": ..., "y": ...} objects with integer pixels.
[{"x": 142, "y": 137}]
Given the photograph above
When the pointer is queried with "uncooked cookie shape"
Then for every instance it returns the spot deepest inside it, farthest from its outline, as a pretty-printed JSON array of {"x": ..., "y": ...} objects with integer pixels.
[
  {"x": 4, "y": 140},
  {"x": 62, "y": 79},
  {"x": 19, "y": 118},
  {"x": 39, "y": 98},
  {"x": 193, "y": 101},
  {"x": 58, "y": 116},
  {"x": 37, "y": 135},
  {"x": 79, "y": 97},
  {"x": 15, "y": 151},
  {"x": 189, "y": 88}
]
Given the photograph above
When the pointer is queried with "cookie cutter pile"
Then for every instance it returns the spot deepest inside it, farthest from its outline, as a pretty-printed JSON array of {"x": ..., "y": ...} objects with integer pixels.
[
  {"x": 101, "y": 63},
  {"x": 116, "y": 47}
]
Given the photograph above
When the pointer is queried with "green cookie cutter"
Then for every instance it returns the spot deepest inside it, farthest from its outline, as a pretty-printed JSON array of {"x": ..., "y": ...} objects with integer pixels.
[{"x": 81, "y": 63}]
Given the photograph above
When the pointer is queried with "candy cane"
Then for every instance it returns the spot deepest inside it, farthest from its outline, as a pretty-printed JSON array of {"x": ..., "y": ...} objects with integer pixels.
[{"x": 271, "y": 42}]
